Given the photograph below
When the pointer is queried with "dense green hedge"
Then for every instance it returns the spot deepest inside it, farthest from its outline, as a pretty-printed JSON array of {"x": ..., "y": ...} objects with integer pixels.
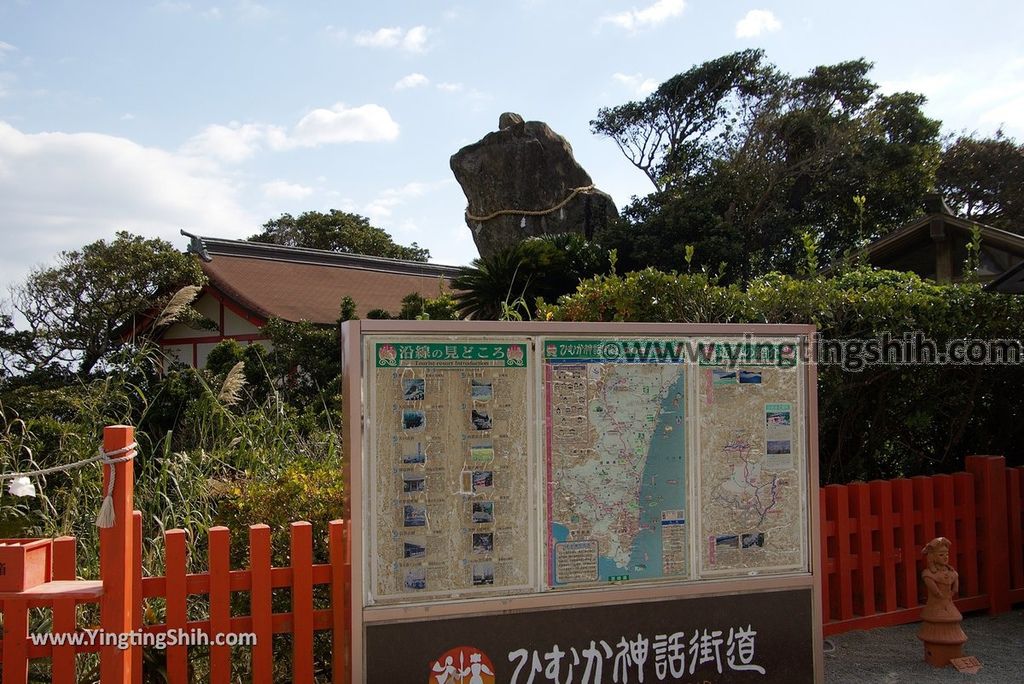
[{"x": 880, "y": 421}]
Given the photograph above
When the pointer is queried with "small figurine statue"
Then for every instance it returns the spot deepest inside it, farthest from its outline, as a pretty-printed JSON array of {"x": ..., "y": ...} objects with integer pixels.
[{"x": 940, "y": 627}]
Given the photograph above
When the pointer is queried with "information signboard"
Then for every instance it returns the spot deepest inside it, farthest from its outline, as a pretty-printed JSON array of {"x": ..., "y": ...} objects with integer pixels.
[{"x": 513, "y": 475}]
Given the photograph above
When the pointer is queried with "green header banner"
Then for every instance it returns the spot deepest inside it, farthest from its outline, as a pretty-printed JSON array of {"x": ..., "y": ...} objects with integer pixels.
[
  {"x": 451, "y": 354},
  {"x": 704, "y": 353}
]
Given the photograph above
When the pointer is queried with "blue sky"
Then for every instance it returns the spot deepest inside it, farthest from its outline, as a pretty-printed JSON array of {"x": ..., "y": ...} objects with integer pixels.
[{"x": 217, "y": 116}]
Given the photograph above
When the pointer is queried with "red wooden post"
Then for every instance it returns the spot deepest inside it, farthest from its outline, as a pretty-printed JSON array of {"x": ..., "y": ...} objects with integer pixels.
[
  {"x": 881, "y": 501},
  {"x": 861, "y": 495},
  {"x": 839, "y": 508},
  {"x": 1016, "y": 543},
  {"x": 341, "y": 575},
  {"x": 177, "y": 593},
  {"x": 137, "y": 605},
  {"x": 906, "y": 543},
  {"x": 15, "y": 666},
  {"x": 990, "y": 490},
  {"x": 220, "y": 601},
  {"x": 116, "y": 557},
  {"x": 963, "y": 487},
  {"x": 302, "y": 602},
  {"x": 261, "y": 594},
  {"x": 65, "y": 567}
]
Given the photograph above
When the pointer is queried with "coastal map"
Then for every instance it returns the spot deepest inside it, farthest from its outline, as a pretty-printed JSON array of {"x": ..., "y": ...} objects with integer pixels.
[
  {"x": 751, "y": 489},
  {"x": 615, "y": 460},
  {"x": 451, "y": 481}
]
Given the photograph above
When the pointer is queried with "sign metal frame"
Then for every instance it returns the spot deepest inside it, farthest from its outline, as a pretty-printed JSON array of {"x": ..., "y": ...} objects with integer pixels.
[{"x": 355, "y": 441}]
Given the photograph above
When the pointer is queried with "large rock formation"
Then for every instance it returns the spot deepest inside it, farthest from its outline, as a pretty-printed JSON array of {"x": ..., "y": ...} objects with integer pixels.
[{"x": 522, "y": 181}]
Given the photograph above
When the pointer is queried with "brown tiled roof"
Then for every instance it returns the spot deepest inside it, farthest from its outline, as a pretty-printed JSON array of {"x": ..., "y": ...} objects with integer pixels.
[{"x": 308, "y": 284}]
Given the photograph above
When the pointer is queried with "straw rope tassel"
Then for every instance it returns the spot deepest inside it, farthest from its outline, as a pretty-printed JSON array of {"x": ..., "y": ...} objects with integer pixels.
[{"x": 106, "y": 517}]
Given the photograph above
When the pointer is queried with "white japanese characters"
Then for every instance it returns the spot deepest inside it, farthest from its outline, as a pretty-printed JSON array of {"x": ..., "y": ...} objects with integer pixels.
[{"x": 672, "y": 655}]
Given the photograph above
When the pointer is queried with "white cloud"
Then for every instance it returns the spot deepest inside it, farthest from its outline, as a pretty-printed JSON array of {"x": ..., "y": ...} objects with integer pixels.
[
  {"x": 756, "y": 22},
  {"x": 449, "y": 87},
  {"x": 413, "y": 40},
  {"x": 381, "y": 208},
  {"x": 339, "y": 124},
  {"x": 237, "y": 142},
  {"x": 336, "y": 33},
  {"x": 127, "y": 116},
  {"x": 212, "y": 13},
  {"x": 975, "y": 96},
  {"x": 63, "y": 190},
  {"x": 411, "y": 81},
  {"x": 5, "y": 48},
  {"x": 648, "y": 17},
  {"x": 279, "y": 189},
  {"x": 640, "y": 86}
]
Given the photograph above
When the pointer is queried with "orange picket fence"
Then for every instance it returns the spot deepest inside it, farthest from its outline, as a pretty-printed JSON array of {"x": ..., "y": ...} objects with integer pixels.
[{"x": 871, "y": 536}]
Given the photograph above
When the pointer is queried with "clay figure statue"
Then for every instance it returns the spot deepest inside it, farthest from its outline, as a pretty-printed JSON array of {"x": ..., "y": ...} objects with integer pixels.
[{"x": 940, "y": 627}]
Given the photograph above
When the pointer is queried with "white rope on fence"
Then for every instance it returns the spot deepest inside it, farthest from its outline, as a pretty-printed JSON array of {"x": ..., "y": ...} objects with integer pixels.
[{"x": 21, "y": 486}]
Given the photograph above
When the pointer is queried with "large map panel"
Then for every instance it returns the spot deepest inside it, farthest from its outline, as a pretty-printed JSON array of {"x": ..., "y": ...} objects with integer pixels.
[
  {"x": 449, "y": 468},
  {"x": 752, "y": 490},
  {"x": 615, "y": 461}
]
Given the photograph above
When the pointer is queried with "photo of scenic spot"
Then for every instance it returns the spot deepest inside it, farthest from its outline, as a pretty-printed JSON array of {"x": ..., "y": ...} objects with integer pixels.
[
  {"x": 413, "y": 483},
  {"x": 416, "y": 578},
  {"x": 777, "y": 418},
  {"x": 482, "y": 480},
  {"x": 481, "y": 390},
  {"x": 414, "y": 515},
  {"x": 723, "y": 377},
  {"x": 482, "y": 452},
  {"x": 483, "y": 512},
  {"x": 481, "y": 420},
  {"x": 750, "y": 377},
  {"x": 727, "y": 541},
  {"x": 413, "y": 420},
  {"x": 752, "y": 540},
  {"x": 414, "y": 389},
  {"x": 414, "y": 547},
  {"x": 483, "y": 542},
  {"x": 779, "y": 446},
  {"x": 483, "y": 574},
  {"x": 413, "y": 453}
]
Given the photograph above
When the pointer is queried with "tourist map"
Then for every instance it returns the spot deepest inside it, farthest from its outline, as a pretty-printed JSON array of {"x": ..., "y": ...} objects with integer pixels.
[
  {"x": 513, "y": 465},
  {"x": 616, "y": 465},
  {"x": 451, "y": 477}
]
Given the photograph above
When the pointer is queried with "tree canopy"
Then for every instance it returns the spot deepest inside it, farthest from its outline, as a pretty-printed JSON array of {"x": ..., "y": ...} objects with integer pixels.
[
  {"x": 336, "y": 231},
  {"x": 747, "y": 161},
  {"x": 77, "y": 310},
  {"x": 983, "y": 179}
]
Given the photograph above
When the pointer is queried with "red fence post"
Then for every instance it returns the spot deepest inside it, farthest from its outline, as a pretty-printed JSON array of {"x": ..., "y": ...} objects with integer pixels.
[
  {"x": 116, "y": 557},
  {"x": 260, "y": 604},
  {"x": 990, "y": 493},
  {"x": 176, "y": 569},
  {"x": 302, "y": 602},
  {"x": 15, "y": 665},
  {"x": 219, "y": 553},
  {"x": 65, "y": 567}
]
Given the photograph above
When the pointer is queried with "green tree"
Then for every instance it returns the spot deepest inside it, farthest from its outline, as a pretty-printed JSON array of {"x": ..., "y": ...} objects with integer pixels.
[
  {"x": 78, "y": 311},
  {"x": 746, "y": 160},
  {"x": 983, "y": 180},
  {"x": 336, "y": 231}
]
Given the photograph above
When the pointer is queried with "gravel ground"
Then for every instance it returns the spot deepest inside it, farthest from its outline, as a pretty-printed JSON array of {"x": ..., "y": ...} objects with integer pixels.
[{"x": 894, "y": 654}]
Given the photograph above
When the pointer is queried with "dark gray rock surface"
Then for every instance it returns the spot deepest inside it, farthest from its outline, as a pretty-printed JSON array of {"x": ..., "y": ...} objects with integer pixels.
[{"x": 522, "y": 172}]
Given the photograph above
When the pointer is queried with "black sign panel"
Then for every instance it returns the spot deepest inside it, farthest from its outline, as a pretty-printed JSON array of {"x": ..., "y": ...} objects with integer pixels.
[{"x": 763, "y": 637}]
